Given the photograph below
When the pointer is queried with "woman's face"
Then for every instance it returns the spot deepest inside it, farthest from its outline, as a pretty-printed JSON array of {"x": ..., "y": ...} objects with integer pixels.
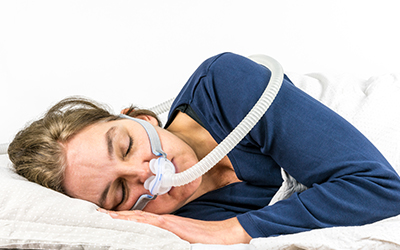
[{"x": 108, "y": 162}]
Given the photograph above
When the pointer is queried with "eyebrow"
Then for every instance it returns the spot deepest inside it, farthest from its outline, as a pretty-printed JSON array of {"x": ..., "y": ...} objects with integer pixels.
[
  {"x": 110, "y": 151},
  {"x": 104, "y": 195},
  {"x": 109, "y": 141}
]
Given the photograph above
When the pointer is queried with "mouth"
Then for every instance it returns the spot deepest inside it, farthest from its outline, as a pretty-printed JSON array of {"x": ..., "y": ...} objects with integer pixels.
[
  {"x": 170, "y": 191},
  {"x": 173, "y": 163}
]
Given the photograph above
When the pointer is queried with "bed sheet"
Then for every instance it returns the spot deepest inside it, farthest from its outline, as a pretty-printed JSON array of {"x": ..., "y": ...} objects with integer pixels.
[
  {"x": 35, "y": 217},
  {"x": 380, "y": 235}
]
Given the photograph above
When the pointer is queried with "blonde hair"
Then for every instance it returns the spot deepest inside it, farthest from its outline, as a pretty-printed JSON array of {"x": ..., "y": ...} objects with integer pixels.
[{"x": 37, "y": 151}]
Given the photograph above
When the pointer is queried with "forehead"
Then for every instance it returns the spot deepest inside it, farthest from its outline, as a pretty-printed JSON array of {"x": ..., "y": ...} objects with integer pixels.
[
  {"x": 87, "y": 143},
  {"x": 87, "y": 161}
]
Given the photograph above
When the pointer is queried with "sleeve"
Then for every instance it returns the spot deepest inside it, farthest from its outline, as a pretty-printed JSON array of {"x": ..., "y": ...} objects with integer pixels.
[{"x": 350, "y": 182}]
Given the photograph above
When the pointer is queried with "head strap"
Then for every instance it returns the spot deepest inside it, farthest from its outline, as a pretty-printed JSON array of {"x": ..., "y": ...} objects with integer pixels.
[{"x": 155, "y": 142}]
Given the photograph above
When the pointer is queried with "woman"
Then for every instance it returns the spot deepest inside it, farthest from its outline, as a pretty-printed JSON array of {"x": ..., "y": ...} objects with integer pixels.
[{"x": 88, "y": 153}]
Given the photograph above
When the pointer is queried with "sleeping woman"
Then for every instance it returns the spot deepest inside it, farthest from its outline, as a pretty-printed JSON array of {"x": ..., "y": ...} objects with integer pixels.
[{"x": 82, "y": 150}]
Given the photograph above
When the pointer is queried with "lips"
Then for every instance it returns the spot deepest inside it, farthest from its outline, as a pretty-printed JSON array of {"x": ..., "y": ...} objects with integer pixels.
[
  {"x": 170, "y": 191},
  {"x": 173, "y": 163}
]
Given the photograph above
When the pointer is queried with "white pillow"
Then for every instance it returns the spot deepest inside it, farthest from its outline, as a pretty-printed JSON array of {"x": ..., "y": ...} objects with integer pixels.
[{"x": 34, "y": 217}]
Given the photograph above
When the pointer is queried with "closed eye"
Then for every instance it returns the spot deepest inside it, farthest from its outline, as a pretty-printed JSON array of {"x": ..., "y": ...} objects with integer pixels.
[
  {"x": 123, "y": 189},
  {"x": 129, "y": 147}
]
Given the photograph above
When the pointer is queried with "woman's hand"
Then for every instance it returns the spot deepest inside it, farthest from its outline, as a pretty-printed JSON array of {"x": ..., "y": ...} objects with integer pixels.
[{"x": 195, "y": 231}]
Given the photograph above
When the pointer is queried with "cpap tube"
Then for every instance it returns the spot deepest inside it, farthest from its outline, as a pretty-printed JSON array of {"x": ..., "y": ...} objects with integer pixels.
[
  {"x": 241, "y": 130},
  {"x": 162, "y": 107}
]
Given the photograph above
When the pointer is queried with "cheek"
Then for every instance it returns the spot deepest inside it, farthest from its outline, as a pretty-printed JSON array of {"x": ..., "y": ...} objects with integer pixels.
[{"x": 184, "y": 161}]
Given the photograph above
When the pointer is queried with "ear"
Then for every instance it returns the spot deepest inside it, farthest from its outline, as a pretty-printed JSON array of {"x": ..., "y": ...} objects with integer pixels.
[
  {"x": 125, "y": 111},
  {"x": 148, "y": 118}
]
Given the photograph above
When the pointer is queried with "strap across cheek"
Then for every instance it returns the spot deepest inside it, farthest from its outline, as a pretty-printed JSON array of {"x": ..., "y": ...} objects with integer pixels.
[
  {"x": 155, "y": 142},
  {"x": 158, "y": 166},
  {"x": 142, "y": 201}
]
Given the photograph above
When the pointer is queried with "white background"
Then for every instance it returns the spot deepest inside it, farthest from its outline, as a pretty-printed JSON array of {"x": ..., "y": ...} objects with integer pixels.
[{"x": 142, "y": 52}]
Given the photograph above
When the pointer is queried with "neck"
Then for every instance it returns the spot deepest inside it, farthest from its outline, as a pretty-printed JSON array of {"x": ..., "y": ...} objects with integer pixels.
[
  {"x": 192, "y": 134},
  {"x": 200, "y": 140}
]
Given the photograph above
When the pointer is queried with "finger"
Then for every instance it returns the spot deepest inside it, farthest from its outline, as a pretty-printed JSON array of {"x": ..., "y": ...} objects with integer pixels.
[
  {"x": 102, "y": 210},
  {"x": 134, "y": 215}
]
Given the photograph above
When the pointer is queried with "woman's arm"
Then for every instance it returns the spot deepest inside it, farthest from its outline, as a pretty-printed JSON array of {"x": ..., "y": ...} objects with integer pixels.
[{"x": 195, "y": 231}]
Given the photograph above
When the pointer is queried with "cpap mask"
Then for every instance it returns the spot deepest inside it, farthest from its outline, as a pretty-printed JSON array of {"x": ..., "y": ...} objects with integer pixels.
[
  {"x": 159, "y": 166},
  {"x": 165, "y": 171}
]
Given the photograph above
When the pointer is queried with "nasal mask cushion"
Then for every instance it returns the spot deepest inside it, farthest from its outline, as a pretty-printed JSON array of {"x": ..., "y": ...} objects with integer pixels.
[{"x": 158, "y": 166}]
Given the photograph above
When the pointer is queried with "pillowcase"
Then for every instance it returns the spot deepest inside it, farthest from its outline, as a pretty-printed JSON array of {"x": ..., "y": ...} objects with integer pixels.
[{"x": 34, "y": 217}]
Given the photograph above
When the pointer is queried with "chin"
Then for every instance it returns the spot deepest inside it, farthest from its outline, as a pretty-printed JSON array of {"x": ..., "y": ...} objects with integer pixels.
[{"x": 163, "y": 204}]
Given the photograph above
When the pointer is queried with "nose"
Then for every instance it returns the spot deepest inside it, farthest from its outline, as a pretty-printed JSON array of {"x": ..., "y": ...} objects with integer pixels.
[
  {"x": 136, "y": 171},
  {"x": 144, "y": 172}
]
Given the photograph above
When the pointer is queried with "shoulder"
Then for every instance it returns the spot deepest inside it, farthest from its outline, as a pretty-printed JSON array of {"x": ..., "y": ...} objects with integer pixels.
[
  {"x": 222, "y": 63},
  {"x": 203, "y": 75}
]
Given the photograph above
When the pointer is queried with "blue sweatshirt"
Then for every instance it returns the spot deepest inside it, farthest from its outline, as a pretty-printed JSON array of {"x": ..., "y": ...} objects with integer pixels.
[{"x": 349, "y": 181}]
